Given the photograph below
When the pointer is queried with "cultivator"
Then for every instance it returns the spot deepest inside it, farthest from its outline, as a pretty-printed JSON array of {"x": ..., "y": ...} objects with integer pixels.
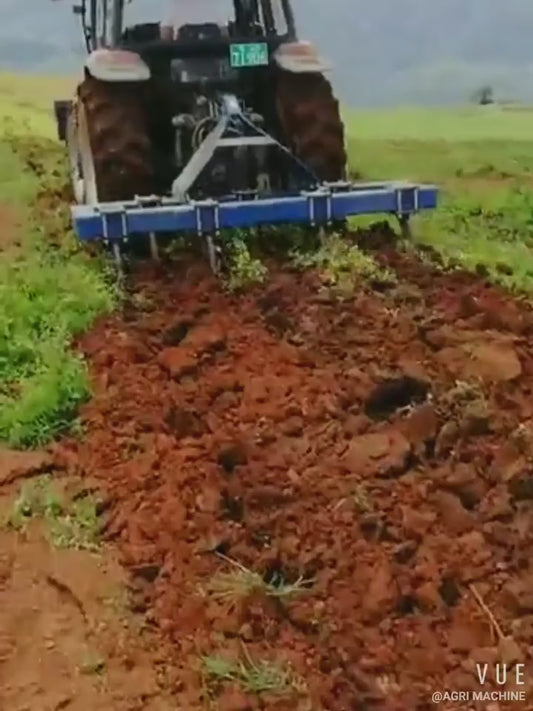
[
  {"x": 115, "y": 222},
  {"x": 204, "y": 127}
]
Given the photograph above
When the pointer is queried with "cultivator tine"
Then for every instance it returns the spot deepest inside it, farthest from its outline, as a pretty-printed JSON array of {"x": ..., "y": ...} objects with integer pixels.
[
  {"x": 213, "y": 254},
  {"x": 154, "y": 247},
  {"x": 117, "y": 255},
  {"x": 405, "y": 227}
]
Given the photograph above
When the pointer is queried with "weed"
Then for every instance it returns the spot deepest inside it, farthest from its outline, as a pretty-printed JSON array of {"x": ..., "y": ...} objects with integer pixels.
[
  {"x": 242, "y": 582},
  {"x": 69, "y": 524},
  {"x": 258, "y": 677},
  {"x": 244, "y": 269},
  {"x": 343, "y": 265}
]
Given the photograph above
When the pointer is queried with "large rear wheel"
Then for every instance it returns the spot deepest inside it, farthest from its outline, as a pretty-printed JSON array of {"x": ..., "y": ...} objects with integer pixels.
[
  {"x": 311, "y": 124},
  {"x": 109, "y": 146}
]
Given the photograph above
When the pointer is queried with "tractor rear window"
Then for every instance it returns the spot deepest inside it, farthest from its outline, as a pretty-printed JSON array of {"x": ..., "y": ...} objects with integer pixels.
[
  {"x": 279, "y": 17},
  {"x": 178, "y": 12}
]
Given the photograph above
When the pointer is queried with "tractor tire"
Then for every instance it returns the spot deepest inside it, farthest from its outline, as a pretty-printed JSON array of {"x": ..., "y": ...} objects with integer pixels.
[
  {"x": 311, "y": 124},
  {"x": 120, "y": 146}
]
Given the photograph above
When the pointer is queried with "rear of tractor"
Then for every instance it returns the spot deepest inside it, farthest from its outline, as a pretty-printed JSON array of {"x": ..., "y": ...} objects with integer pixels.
[{"x": 209, "y": 126}]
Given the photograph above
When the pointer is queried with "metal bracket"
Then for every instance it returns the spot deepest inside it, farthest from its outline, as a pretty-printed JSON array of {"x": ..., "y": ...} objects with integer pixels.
[
  {"x": 209, "y": 209},
  {"x": 246, "y": 141},
  {"x": 148, "y": 200},
  {"x": 339, "y": 186},
  {"x": 407, "y": 200},
  {"x": 314, "y": 199},
  {"x": 107, "y": 216},
  {"x": 246, "y": 195}
]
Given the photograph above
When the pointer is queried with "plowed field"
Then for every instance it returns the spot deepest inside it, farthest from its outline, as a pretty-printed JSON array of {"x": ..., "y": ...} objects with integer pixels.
[{"x": 374, "y": 453}]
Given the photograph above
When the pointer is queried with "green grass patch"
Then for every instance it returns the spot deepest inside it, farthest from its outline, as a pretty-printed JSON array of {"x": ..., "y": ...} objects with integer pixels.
[
  {"x": 27, "y": 101},
  {"x": 493, "y": 230},
  {"x": 70, "y": 524},
  {"x": 455, "y": 124},
  {"x": 17, "y": 186},
  {"x": 482, "y": 161},
  {"x": 480, "y": 164},
  {"x": 257, "y": 677},
  {"x": 47, "y": 295}
]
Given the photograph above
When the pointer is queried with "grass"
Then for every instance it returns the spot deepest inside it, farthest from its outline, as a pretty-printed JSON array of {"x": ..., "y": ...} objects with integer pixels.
[
  {"x": 28, "y": 101},
  {"x": 47, "y": 295},
  {"x": 242, "y": 582},
  {"x": 456, "y": 125},
  {"x": 17, "y": 186},
  {"x": 69, "y": 524},
  {"x": 481, "y": 158},
  {"x": 257, "y": 677}
]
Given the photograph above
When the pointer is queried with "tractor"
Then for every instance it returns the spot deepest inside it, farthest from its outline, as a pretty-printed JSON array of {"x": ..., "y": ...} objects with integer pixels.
[{"x": 201, "y": 126}]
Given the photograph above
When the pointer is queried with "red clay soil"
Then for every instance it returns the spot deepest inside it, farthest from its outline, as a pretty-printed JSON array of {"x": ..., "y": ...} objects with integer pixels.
[
  {"x": 381, "y": 445},
  {"x": 65, "y": 641}
]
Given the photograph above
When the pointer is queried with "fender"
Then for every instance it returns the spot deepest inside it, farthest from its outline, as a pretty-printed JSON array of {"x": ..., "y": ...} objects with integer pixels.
[
  {"x": 300, "y": 58},
  {"x": 116, "y": 65}
]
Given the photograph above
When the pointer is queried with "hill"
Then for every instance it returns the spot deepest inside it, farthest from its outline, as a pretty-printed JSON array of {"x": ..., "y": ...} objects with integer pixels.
[{"x": 385, "y": 52}]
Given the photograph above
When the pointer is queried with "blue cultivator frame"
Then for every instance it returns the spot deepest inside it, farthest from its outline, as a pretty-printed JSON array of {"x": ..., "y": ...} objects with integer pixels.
[
  {"x": 320, "y": 204},
  {"x": 116, "y": 221}
]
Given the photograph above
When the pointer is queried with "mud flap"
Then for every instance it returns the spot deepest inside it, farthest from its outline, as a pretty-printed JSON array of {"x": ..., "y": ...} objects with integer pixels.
[{"x": 62, "y": 110}]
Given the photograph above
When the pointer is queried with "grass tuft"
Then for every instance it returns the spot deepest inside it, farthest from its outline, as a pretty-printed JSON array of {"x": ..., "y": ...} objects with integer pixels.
[
  {"x": 69, "y": 524},
  {"x": 242, "y": 582},
  {"x": 258, "y": 677}
]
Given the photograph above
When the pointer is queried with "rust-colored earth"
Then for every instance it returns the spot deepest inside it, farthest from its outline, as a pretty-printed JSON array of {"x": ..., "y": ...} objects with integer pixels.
[
  {"x": 67, "y": 638},
  {"x": 381, "y": 446}
]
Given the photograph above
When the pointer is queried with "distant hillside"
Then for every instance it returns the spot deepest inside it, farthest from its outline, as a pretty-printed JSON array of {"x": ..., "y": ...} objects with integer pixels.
[{"x": 385, "y": 52}]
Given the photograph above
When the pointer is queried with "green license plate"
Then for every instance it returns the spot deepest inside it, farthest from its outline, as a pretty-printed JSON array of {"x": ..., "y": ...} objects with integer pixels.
[{"x": 254, "y": 54}]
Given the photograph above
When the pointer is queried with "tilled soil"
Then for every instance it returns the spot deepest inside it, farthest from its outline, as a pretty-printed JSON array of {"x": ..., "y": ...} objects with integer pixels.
[
  {"x": 67, "y": 641},
  {"x": 380, "y": 446}
]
